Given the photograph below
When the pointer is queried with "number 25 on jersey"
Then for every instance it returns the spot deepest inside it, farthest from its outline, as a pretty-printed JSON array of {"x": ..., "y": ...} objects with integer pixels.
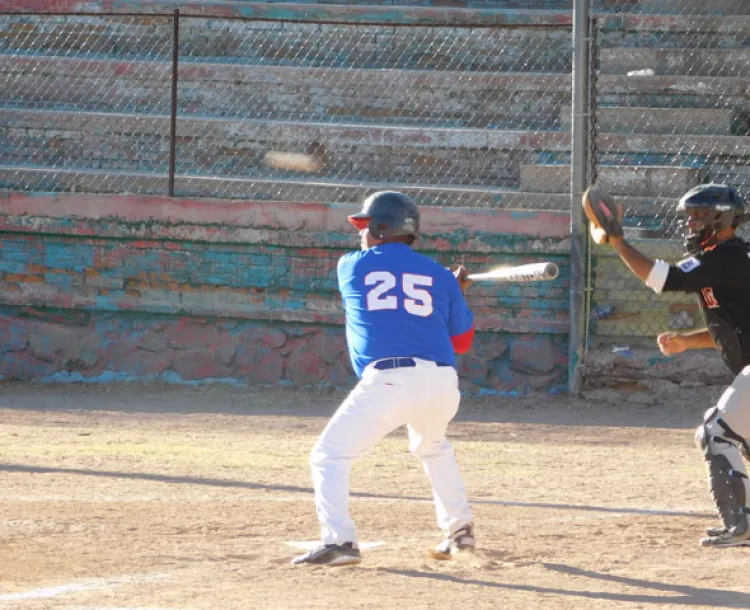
[{"x": 417, "y": 300}]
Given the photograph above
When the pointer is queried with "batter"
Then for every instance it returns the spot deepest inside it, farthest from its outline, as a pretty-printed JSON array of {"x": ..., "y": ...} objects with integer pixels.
[{"x": 406, "y": 317}]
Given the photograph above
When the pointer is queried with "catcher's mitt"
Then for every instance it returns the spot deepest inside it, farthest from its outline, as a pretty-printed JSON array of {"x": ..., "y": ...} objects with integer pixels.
[{"x": 604, "y": 217}]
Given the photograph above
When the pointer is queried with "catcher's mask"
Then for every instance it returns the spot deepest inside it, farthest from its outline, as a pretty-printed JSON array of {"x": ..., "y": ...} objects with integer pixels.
[
  {"x": 708, "y": 208},
  {"x": 388, "y": 214}
]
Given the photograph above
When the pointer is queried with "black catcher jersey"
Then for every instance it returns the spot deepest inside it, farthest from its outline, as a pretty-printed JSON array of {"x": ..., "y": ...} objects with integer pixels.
[{"x": 721, "y": 277}]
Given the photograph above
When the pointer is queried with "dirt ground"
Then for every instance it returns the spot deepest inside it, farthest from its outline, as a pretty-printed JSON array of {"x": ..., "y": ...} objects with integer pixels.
[{"x": 164, "y": 497}]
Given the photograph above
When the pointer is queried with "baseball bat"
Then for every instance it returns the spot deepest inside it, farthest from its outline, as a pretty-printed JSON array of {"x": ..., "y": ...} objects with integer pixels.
[{"x": 533, "y": 272}]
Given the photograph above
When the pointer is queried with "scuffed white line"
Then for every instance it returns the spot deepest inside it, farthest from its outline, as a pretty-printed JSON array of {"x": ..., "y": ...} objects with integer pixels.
[{"x": 76, "y": 587}]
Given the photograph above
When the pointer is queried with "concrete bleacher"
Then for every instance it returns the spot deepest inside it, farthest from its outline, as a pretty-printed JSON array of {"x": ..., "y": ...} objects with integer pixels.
[
  {"x": 85, "y": 105},
  {"x": 423, "y": 126},
  {"x": 671, "y": 110},
  {"x": 444, "y": 98},
  {"x": 714, "y": 7}
]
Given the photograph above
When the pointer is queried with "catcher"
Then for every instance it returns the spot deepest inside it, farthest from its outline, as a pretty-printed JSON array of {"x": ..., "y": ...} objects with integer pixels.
[{"x": 717, "y": 269}]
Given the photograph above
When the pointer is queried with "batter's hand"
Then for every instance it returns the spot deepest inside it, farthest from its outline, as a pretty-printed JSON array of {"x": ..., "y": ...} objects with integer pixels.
[
  {"x": 462, "y": 275},
  {"x": 671, "y": 343}
]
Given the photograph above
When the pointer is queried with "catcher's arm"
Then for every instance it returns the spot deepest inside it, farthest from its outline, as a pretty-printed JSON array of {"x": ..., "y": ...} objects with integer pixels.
[{"x": 639, "y": 263}]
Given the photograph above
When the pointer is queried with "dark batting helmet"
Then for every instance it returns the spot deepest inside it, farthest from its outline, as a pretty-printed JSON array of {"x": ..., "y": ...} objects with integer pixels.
[
  {"x": 388, "y": 214},
  {"x": 721, "y": 207}
]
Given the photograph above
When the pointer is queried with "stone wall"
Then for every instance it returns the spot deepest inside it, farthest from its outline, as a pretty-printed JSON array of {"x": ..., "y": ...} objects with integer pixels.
[{"x": 54, "y": 345}]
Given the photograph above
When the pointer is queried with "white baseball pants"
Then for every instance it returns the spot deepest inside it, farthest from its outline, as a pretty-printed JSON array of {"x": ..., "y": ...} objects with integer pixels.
[
  {"x": 734, "y": 409},
  {"x": 734, "y": 404},
  {"x": 425, "y": 398}
]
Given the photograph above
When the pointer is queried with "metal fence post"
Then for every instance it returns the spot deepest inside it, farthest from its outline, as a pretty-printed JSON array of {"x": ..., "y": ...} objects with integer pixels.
[
  {"x": 173, "y": 110},
  {"x": 579, "y": 128}
]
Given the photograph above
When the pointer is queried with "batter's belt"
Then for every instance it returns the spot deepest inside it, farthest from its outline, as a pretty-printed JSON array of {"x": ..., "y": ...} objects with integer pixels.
[{"x": 400, "y": 363}]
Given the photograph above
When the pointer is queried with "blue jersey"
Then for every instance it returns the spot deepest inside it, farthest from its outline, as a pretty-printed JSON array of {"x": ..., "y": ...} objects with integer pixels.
[{"x": 400, "y": 303}]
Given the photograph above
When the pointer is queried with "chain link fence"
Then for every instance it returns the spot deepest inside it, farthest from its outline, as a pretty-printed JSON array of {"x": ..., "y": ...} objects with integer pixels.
[
  {"x": 678, "y": 8},
  {"x": 451, "y": 115},
  {"x": 455, "y": 115},
  {"x": 85, "y": 103},
  {"x": 670, "y": 111}
]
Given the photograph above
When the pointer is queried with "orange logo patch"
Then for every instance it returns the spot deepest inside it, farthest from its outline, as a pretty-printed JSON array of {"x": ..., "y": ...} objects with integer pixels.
[{"x": 709, "y": 299}]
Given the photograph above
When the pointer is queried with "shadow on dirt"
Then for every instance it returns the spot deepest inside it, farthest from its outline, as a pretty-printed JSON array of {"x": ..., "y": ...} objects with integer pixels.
[
  {"x": 679, "y": 595},
  {"x": 226, "y": 483},
  {"x": 681, "y": 410}
]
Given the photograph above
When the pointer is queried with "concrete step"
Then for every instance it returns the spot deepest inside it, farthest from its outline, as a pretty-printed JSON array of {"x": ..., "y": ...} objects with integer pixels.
[
  {"x": 640, "y": 181},
  {"x": 678, "y": 92},
  {"x": 499, "y": 101},
  {"x": 686, "y": 61},
  {"x": 645, "y": 149},
  {"x": 230, "y": 148},
  {"x": 505, "y": 101},
  {"x": 40, "y": 179},
  {"x": 510, "y": 49},
  {"x": 495, "y": 4},
  {"x": 698, "y": 121},
  {"x": 234, "y": 148},
  {"x": 494, "y": 100},
  {"x": 44, "y": 179},
  {"x": 628, "y": 30},
  {"x": 683, "y": 7},
  {"x": 730, "y": 7},
  {"x": 352, "y": 10}
]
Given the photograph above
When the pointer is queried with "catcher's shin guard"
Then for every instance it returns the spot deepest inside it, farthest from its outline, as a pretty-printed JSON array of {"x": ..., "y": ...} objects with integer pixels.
[
  {"x": 727, "y": 489},
  {"x": 729, "y": 483}
]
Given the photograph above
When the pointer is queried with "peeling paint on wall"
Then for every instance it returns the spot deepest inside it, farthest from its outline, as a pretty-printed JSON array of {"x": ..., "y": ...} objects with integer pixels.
[{"x": 104, "y": 288}]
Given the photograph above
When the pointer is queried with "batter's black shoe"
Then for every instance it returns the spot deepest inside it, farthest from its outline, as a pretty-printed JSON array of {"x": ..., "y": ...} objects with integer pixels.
[
  {"x": 739, "y": 535},
  {"x": 459, "y": 542},
  {"x": 331, "y": 555},
  {"x": 715, "y": 531}
]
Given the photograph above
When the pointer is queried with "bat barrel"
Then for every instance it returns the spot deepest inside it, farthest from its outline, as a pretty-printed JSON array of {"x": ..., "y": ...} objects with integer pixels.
[
  {"x": 551, "y": 271},
  {"x": 532, "y": 272}
]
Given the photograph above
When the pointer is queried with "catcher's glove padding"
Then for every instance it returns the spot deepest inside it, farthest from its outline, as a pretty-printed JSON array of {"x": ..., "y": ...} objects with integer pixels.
[{"x": 599, "y": 207}]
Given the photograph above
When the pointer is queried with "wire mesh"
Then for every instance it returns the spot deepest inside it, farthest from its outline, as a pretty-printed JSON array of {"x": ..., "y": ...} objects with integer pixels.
[
  {"x": 84, "y": 102},
  {"x": 671, "y": 113},
  {"x": 454, "y": 116},
  {"x": 458, "y": 115}
]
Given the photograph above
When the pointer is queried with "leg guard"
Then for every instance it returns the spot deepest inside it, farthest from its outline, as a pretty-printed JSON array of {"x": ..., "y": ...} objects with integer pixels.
[{"x": 727, "y": 478}]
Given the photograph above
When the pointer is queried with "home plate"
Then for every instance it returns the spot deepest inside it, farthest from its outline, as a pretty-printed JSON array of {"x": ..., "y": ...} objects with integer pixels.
[{"x": 309, "y": 545}]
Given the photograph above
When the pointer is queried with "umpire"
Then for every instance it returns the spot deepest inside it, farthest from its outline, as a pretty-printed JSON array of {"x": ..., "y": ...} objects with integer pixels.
[{"x": 717, "y": 269}]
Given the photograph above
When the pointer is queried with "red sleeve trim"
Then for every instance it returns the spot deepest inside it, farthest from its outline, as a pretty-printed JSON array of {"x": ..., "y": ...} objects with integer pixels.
[{"x": 462, "y": 343}]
